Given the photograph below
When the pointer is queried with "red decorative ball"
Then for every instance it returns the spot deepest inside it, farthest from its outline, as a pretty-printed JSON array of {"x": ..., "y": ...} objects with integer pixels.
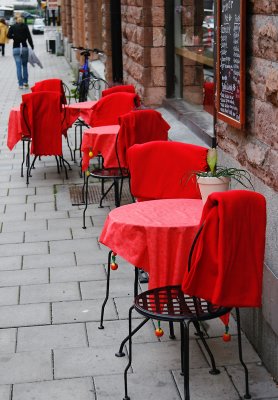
[
  {"x": 114, "y": 266},
  {"x": 227, "y": 337},
  {"x": 114, "y": 254},
  {"x": 159, "y": 332}
]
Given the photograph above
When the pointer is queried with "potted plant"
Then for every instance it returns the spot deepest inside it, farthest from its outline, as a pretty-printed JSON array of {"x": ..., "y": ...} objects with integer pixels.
[{"x": 218, "y": 178}]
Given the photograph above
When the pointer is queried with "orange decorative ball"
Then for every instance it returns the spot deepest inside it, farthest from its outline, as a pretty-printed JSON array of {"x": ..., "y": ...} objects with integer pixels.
[
  {"x": 227, "y": 337},
  {"x": 159, "y": 332},
  {"x": 91, "y": 154},
  {"x": 114, "y": 266}
]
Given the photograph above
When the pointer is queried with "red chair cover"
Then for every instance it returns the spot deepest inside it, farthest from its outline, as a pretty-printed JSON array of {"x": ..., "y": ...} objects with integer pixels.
[
  {"x": 41, "y": 116},
  {"x": 50, "y": 85},
  {"x": 162, "y": 170},
  {"x": 118, "y": 88},
  {"x": 108, "y": 109},
  {"x": 227, "y": 264},
  {"x": 139, "y": 126}
]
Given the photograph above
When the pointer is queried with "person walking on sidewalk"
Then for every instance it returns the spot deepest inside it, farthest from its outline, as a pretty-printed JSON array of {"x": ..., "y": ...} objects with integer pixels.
[
  {"x": 3, "y": 35},
  {"x": 20, "y": 34}
]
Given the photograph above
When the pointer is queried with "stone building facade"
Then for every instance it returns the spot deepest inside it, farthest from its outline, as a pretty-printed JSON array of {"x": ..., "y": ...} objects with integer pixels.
[{"x": 144, "y": 52}]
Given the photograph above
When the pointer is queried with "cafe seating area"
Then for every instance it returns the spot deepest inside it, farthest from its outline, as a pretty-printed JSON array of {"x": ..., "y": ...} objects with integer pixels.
[{"x": 199, "y": 257}]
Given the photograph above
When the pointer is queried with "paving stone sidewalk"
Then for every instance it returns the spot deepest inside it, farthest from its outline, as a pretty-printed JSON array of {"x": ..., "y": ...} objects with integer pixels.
[{"x": 52, "y": 280}]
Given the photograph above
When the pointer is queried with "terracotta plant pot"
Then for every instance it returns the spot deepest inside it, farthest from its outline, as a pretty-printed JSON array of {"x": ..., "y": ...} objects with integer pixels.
[{"x": 210, "y": 184}]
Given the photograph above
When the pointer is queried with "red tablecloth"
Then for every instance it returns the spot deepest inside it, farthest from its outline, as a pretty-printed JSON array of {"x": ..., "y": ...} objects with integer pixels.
[
  {"x": 155, "y": 236},
  {"x": 68, "y": 116},
  {"x": 100, "y": 140},
  {"x": 84, "y": 109},
  {"x": 14, "y": 128}
]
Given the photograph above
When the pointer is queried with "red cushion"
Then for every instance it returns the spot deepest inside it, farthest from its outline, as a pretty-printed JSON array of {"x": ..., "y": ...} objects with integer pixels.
[
  {"x": 160, "y": 170},
  {"x": 109, "y": 108}
]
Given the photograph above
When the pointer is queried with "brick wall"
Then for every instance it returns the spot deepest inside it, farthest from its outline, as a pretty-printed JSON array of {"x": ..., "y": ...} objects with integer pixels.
[
  {"x": 144, "y": 48},
  {"x": 256, "y": 148}
]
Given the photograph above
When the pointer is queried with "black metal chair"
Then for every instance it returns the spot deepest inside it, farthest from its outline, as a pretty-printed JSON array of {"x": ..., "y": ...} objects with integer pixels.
[
  {"x": 43, "y": 138},
  {"x": 138, "y": 126},
  {"x": 172, "y": 304},
  {"x": 152, "y": 179}
]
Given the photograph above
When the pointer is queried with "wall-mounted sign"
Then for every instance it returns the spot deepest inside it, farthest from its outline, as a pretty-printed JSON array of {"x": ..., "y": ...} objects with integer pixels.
[{"x": 231, "y": 15}]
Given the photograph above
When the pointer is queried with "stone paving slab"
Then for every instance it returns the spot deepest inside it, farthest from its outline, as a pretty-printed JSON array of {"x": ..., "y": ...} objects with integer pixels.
[
  {"x": 51, "y": 337},
  {"x": 81, "y": 311},
  {"x": 47, "y": 235},
  {"x": 24, "y": 226},
  {"x": 5, "y": 392},
  {"x": 27, "y": 277},
  {"x": 11, "y": 237},
  {"x": 152, "y": 385},
  {"x": 10, "y": 263},
  {"x": 25, "y": 367},
  {"x": 49, "y": 292},
  {"x": 9, "y": 296},
  {"x": 24, "y": 315},
  {"x": 203, "y": 385},
  {"x": 262, "y": 385},
  {"x": 23, "y": 249},
  {"x": 49, "y": 260},
  {"x": 64, "y": 389},
  {"x": 96, "y": 289},
  {"x": 79, "y": 274},
  {"x": 80, "y": 362},
  {"x": 7, "y": 341},
  {"x": 88, "y": 246}
]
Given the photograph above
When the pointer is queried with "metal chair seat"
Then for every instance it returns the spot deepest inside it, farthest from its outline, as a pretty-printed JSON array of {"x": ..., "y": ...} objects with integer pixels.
[
  {"x": 169, "y": 303},
  {"x": 113, "y": 173}
]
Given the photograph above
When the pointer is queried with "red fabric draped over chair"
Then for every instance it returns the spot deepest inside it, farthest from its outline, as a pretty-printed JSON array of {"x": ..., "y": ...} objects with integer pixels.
[
  {"x": 118, "y": 88},
  {"x": 163, "y": 170},
  {"x": 50, "y": 85},
  {"x": 41, "y": 117},
  {"x": 227, "y": 263},
  {"x": 139, "y": 126},
  {"x": 108, "y": 109}
]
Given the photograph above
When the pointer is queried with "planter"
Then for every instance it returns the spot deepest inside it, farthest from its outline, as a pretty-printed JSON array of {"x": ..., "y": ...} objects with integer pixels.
[{"x": 210, "y": 184}]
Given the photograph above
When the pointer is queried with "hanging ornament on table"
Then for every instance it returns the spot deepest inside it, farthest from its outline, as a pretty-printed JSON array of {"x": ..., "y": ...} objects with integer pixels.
[
  {"x": 226, "y": 336},
  {"x": 114, "y": 266},
  {"x": 159, "y": 331}
]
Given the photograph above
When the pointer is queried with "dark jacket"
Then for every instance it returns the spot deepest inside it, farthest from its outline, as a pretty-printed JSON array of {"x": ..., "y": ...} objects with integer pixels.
[{"x": 20, "y": 33}]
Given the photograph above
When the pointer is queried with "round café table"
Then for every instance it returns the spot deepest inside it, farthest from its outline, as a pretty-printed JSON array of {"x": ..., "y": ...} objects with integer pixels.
[{"x": 154, "y": 235}]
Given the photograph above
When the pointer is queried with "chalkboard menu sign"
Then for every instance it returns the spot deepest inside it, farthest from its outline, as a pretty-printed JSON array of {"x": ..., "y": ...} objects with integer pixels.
[{"x": 230, "y": 68}]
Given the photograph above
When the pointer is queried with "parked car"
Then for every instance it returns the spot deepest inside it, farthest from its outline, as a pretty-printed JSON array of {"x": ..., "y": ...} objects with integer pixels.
[{"x": 38, "y": 26}]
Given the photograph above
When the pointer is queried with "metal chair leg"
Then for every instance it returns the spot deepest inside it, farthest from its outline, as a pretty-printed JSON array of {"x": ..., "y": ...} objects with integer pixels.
[
  {"x": 58, "y": 165},
  {"x": 120, "y": 352},
  {"x": 107, "y": 290},
  {"x": 86, "y": 200},
  {"x": 186, "y": 359},
  {"x": 105, "y": 194},
  {"x": 172, "y": 331},
  {"x": 129, "y": 351},
  {"x": 214, "y": 370},
  {"x": 23, "y": 158},
  {"x": 71, "y": 155},
  {"x": 28, "y": 164},
  {"x": 247, "y": 393}
]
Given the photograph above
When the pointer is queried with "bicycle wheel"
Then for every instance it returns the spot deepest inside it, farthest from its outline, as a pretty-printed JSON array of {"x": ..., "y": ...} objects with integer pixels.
[{"x": 82, "y": 91}]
